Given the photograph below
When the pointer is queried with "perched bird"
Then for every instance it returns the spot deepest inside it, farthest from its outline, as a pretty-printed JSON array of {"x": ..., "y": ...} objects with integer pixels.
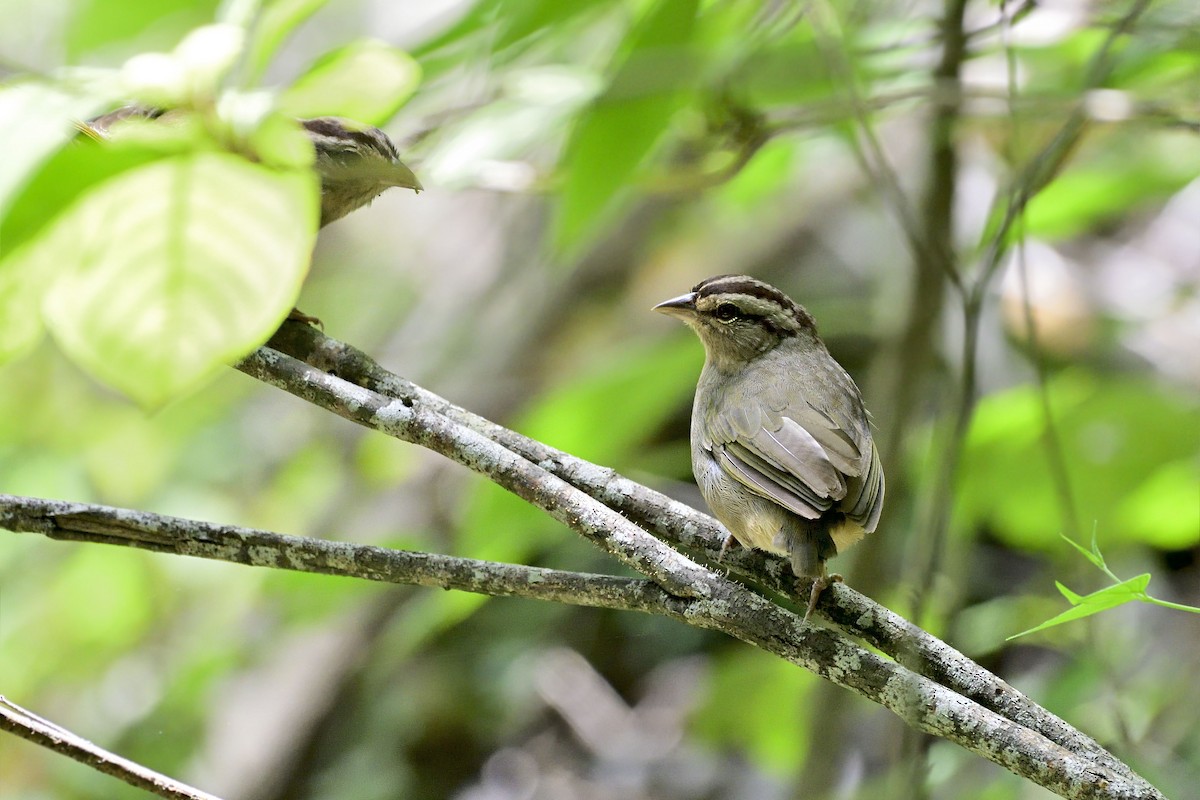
[
  {"x": 356, "y": 163},
  {"x": 781, "y": 443}
]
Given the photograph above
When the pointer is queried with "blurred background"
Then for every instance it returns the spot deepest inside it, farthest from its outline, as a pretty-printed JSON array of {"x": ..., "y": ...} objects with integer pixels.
[{"x": 583, "y": 161}]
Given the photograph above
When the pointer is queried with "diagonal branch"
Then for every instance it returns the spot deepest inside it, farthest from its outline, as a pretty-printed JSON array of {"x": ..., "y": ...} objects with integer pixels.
[
  {"x": 27, "y": 725},
  {"x": 682, "y": 525}
]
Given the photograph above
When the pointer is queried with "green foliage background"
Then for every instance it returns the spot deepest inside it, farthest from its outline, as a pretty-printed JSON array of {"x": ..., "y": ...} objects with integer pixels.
[{"x": 584, "y": 160}]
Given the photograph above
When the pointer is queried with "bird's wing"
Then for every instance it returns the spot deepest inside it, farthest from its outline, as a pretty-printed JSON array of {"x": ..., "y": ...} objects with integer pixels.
[{"x": 807, "y": 459}]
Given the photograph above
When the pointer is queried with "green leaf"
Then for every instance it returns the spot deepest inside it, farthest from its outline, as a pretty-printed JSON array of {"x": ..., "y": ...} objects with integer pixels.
[
  {"x": 63, "y": 179},
  {"x": 1072, "y": 598},
  {"x": 618, "y": 133},
  {"x": 1092, "y": 555},
  {"x": 640, "y": 389},
  {"x": 274, "y": 25},
  {"x": 750, "y": 706},
  {"x": 1089, "y": 195},
  {"x": 1162, "y": 510},
  {"x": 36, "y": 120},
  {"x": 508, "y": 22},
  {"x": 1087, "y": 605},
  {"x": 20, "y": 322},
  {"x": 1114, "y": 436},
  {"x": 175, "y": 268},
  {"x": 132, "y": 27},
  {"x": 366, "y": 81},
  {"x": 524, "y": 18}
]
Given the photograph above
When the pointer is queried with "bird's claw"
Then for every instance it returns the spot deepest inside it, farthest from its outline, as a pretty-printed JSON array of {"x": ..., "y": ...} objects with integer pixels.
[
  {"x": 299, "y": 316},
  {"x": 730, "y": 543},
  {"x": 820, "y": 584}
]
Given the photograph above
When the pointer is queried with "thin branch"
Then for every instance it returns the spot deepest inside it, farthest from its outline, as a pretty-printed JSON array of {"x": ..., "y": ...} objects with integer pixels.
[
  {"x": 913, "y": 353},
  {"x": 1046, "y": 165},
  {"x": 82, "y": 522},
  {"x": 719, "y": 604},
  {"x": 27, "y": 725}
]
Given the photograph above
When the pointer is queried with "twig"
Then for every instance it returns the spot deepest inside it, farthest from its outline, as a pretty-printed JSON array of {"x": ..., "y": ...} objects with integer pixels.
[{"x": 27, "y": 725}]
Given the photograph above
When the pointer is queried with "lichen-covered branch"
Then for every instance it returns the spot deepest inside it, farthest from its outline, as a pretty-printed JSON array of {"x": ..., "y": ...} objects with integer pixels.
[
  {"x": 717, "y": 604},
  {"x": 84, "y": 522}
]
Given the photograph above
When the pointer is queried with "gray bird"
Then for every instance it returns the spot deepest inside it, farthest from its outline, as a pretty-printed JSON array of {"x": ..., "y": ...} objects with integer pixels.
[{"x": 781, "y": 442}]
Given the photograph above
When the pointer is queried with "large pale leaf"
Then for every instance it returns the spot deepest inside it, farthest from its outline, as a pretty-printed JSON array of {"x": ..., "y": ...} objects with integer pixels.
[
  {"x": 365, "y": 81},
  {"x": 35, "y": 121},
  {"x": 177, "y": 267}
]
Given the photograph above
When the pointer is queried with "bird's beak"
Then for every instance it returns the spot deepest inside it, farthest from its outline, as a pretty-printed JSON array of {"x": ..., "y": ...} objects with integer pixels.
[
  {"x": 404, "y": 177},
  {"x": 682, "y": 307}
]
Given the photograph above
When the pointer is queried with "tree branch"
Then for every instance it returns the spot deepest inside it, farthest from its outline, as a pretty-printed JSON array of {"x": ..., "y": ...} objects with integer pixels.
[
  {"x": 84, "y": 522},
  {"x": 718, "y": 604},
  {"x": 27, "y": 725}
]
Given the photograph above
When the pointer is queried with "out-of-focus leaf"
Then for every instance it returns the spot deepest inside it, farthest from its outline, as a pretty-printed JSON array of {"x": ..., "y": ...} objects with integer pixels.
[
  {"x": 365, "y": 81},
  {"x": 768, "y": 171},
  {"x": 788, "y": 74},
  {"x": 103, "y": 598},
  {"x": 1114, "y": 436},
  {"x": 602, "y": 417},
  {"x": 1094, "y": 603},
  {"x": 523, "y": 18},
  {"x": 148, "y": 26},
  {"x": 752, "y": 705},
  {"x": 1163, "y": 509},
  {"x": 35, "y": 120},
  {"x": 63, "y": 179},
  {"x": 276, "y": 22},
  {"x": 170, "y": 270},
  {"x": 509, "y": 22},
  {"x": 1088, "y": 195},
  {"x": 614, "y": 137},
  {"x": 481, "y": 15},
  {"x": 488, "y": 147},
  {"x": 47, "y": 192}
]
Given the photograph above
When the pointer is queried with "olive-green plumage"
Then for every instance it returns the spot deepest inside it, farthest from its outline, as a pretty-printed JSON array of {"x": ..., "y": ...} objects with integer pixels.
[{"x": 781, "y": 443}]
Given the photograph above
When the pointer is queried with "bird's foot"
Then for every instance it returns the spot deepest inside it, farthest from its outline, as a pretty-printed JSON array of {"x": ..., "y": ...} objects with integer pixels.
[
  {"x": 299, "y": 316},
  {"x": 730, "y": 543},
  {"x": 820, "y": 584}
]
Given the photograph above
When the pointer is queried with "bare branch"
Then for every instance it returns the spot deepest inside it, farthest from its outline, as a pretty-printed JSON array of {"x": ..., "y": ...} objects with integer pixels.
[
  {"x": 83, "y": 522},
  {"x": 27, "y": 725}
]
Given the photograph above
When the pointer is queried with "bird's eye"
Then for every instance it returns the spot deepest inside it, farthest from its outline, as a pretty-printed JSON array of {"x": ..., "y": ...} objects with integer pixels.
[{"x": 727, "y": 312}]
